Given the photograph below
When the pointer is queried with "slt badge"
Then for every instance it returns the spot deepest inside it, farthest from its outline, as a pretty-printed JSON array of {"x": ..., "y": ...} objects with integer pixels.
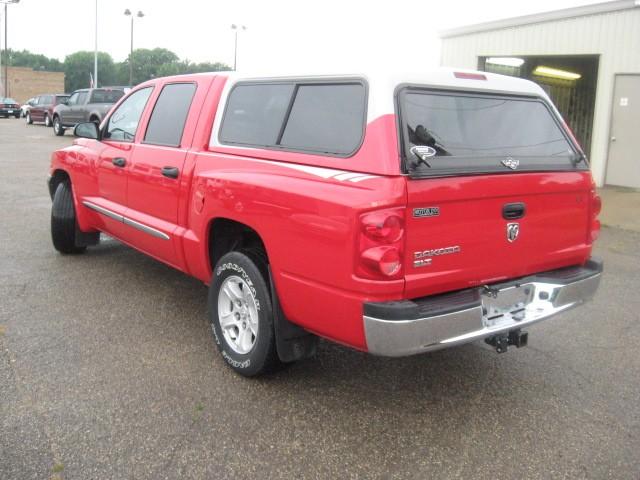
[{"x": 513, "y": 229}]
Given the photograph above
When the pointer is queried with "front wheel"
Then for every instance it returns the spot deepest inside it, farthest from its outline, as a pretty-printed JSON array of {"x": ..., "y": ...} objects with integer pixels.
[
  {"x": 241, "y": 314},
  {"x": 57, "y": 127},
  {"x": 63, "y": 221},
  {"x": 47, "y": 120}
]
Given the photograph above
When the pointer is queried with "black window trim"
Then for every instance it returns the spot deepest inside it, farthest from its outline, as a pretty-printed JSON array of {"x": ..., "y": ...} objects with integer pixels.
[
  {"x": 158, "y": 144},
  {"x": 297, "y": 82},
  {"x": 498, "y": 169}
]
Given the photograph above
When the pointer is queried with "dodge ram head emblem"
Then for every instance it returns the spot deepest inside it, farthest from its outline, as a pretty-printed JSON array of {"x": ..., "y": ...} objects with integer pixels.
[
  {"x": 513, "y": 229},
  {"x": 511, "y": 163}
]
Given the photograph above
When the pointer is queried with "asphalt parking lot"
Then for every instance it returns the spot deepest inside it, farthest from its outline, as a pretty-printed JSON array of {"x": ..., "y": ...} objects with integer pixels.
[{"x": 108, "y": 371}]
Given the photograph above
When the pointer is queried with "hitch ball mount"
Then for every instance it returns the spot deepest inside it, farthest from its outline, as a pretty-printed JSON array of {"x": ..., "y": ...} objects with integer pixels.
[{"x": 501, "y": 342}]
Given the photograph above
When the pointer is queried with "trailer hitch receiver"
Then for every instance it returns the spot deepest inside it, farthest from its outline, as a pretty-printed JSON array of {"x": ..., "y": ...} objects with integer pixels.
[{"x": 501, "y": 342}]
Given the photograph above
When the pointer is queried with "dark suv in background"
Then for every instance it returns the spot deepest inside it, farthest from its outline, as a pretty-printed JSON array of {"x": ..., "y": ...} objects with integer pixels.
[
  {"x": 85, "y": 105},
  {"x": 41, "y": 109}
]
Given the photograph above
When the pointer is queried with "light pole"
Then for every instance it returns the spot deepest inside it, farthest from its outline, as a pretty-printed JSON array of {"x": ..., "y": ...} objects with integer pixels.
[
  {"x": 128, "y": 13},
  {"x": 6, "y": 51},
  {"x": 235, "y": 29},
  {"x": 95, "y": 52}
]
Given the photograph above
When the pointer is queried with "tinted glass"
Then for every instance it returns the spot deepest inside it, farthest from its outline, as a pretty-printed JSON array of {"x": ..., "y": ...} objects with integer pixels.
[
  {"x": 478, "y": 126},
  {"x": 73, "y": 99},
  {"x": 169, "y": 114},
  {"x": 106, "y": 96},
  {"x": 46, "y": 100},
  {"x": 326, "y": 118},
  {"x": 9, "y": 100},
  {"x": 123, "y": 123},
  {"x": 82, "y": 98},
  {"x": 255, "y": 113},
  {"x": 61, "y": 98}
]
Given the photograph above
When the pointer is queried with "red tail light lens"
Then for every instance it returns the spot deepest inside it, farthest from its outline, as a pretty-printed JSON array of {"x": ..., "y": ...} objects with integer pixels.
[
  {"x": 386, "y": 260},
  {"x": 469, "y": 76},
  {"x": 596, "y": 207},
  {"x": 381, "y": 244},
  {"x": 383, "y": 226}
]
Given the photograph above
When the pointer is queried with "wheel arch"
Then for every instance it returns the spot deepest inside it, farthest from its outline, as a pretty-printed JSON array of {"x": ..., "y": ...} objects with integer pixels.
[
  {"x": 225, "y": 235},
  {"x": 58, "y": 176}
]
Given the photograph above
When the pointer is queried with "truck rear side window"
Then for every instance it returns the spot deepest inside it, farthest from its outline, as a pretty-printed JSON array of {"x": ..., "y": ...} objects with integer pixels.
[
  {"x": 326, "y": 118},
  {"x": 255, "y": 113},
  {"x": 474, "y": 133},
  {"x": 170, "y": 114}
]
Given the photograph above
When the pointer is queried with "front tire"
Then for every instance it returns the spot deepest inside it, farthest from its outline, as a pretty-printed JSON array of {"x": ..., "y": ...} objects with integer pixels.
[
  {"x": 63, "y": 221},
  {"x": 241, "y": 314},
  {"x": 29, "y": 119},
  {"x": 57, "y": 126},
  {"x": 47, "y": 120}
]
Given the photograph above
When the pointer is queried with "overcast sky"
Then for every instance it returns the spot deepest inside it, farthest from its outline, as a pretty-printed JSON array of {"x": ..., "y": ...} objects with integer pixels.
[{"x": 327, "y": 35}]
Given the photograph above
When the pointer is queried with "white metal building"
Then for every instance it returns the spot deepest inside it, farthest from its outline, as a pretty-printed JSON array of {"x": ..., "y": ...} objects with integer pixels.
[{"x": 587, "y": 58}]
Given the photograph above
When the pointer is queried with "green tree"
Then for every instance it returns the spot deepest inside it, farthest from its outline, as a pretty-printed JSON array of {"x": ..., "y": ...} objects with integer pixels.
[
  {"x": 78, "y": 68},
  {"x": 147, "y": 63},
  {"x": 206, "y": 67},
  {"x": 25, "y": 58}
]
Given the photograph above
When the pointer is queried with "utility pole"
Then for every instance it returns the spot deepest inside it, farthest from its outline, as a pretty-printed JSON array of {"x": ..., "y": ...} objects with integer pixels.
[
  {"x": 6, "y": 49},
  {"x": 128, "y": 13},
  {"x": 95, "y": 52},
  {"x": 235, "y": 29}
]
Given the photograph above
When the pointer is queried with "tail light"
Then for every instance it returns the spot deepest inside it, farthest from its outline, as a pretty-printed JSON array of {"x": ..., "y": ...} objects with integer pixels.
[
  {"x": 381, "y": 244},
  {"x": 594, "y": 211}
]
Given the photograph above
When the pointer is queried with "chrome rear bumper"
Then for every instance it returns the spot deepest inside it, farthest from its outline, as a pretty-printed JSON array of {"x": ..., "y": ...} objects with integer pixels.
[{"x": 409, "y": 327}]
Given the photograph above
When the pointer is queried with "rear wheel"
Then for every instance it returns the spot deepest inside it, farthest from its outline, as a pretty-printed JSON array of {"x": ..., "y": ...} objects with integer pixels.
[
  {"x": 63, "y": 220},
  {"x": 29, "y": 119},
  {"x": 241, "y": 314},
  {"x": 58, "y": 129},
  {"x": 47, "y": 120}
]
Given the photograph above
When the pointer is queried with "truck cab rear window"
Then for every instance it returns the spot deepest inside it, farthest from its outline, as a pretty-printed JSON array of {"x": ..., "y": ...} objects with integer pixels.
[
  {"x": 473, "y": 133},
  {"x": 106, "y": 96},
  {"x": 322, "y": 118}
]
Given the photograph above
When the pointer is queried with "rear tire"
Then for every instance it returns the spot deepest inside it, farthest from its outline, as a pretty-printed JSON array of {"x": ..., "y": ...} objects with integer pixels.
[
  {"x": 241, "y": 314},
  {"x": 63, "y": 221},
  {"x": 29, "y": 119},
  {"x": 58, "y": 129}
]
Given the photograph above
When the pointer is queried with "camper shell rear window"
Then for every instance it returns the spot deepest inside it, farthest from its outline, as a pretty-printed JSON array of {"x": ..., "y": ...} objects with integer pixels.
[{"x": 459, "y": 132}]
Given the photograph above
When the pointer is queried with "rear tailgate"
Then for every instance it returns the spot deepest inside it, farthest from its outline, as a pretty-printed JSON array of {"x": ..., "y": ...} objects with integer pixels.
[
  {"x": 497, "y": 189},
  {"x": 468, "y": 244}
]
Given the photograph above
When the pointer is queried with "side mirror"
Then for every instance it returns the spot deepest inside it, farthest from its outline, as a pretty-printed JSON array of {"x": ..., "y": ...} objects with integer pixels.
[{"x": 87, "y": 130}]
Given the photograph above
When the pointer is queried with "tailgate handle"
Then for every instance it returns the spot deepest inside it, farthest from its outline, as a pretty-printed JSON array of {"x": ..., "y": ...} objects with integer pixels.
[{"x": 511, "y": 211}]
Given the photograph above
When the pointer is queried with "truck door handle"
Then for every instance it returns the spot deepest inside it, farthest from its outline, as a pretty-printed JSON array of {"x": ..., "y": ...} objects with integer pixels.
[
  {"x": 119, "y": 162},
  {"x": 170, "y": 172},
  {"x": 511, "y": 211}
]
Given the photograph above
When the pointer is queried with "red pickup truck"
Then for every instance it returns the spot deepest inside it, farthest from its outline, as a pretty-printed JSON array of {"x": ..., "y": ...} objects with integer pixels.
[{"x": 393, "y": 214}]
